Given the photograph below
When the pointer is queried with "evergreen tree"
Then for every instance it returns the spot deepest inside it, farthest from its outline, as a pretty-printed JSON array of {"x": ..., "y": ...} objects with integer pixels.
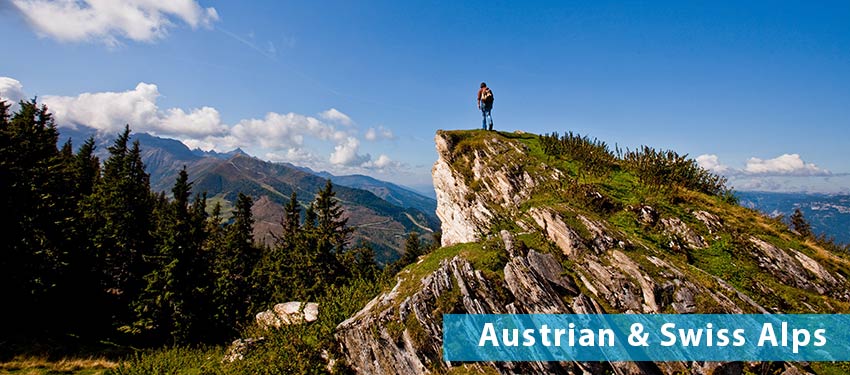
[
  {"x": 86, "y": 168},
  {"x": 172, "y": 302},
  {"x": 234, "y": 266},
  {"x": 330, "y": 236},
  {"x": 359, "y": 263},
  {"x": 331, "y": 224},
  {"x": 120, "y": 213},
  {"x": 32, "y": 184},
  {"x": 799, "y": 223},
  {"x": 291, "y": 219},
  {"x": 412, "y": 248}
]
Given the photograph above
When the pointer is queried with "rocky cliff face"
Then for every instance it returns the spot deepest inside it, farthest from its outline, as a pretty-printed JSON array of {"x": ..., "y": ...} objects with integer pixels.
[{"x": 516, "y": 241}]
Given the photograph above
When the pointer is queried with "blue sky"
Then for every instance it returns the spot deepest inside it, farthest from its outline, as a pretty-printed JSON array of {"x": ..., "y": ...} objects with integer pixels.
[{"x": 759, "y": 91}]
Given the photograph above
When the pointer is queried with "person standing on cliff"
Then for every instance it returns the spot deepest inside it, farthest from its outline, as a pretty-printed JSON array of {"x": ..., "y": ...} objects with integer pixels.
[{"x": 485, "y": 104}]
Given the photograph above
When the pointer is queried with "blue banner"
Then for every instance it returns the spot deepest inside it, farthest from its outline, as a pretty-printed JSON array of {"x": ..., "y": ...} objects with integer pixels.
[{"x": 644, "y": 337}]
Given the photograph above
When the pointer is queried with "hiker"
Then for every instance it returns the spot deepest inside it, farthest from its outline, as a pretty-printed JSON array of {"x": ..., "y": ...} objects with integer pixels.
[{"x": 485, "y": 104}]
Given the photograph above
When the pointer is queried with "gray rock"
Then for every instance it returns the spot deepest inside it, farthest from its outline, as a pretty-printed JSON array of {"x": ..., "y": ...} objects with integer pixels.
[
  {"x": 239, "y": 348},
  {"x": 288, "y": 313},
  {"x": 556, "y": 230},
  {"x": 679, "y": 230}
]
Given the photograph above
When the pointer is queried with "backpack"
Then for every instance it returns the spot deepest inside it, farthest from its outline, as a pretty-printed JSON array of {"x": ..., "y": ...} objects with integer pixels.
[{"x": 487, "y": 96}]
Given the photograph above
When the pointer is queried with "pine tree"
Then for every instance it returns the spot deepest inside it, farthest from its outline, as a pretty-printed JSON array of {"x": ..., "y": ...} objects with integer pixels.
[
  {"x": 799, "y": 223},
  {"x": 86, "y": 168},
  {"x": 412, "y": 248},
  {"x": 331, "y": 224},
  {"x": 32, "y": 183},
  {"x": 359, "y": 263},
  {"x": 235, "y": 263},
  {"x": 291, "y": 219},
  {"x": 325, "y": 242},
  {"x": 172, "y": 303},
  {"x": 120, "y": 212}
]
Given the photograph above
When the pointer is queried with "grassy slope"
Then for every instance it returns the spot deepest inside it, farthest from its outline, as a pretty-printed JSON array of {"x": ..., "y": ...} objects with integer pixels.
[{"x": 728, "y": 256}]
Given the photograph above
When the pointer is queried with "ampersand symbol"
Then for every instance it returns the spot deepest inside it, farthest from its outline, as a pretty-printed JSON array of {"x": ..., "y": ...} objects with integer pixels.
[{"x": 637, "y": 337}]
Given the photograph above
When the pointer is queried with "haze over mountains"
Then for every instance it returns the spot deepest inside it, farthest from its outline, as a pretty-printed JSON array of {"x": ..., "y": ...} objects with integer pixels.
[
  {"x": 382, "y": 213},
  {"x": 828, "y": 214}
]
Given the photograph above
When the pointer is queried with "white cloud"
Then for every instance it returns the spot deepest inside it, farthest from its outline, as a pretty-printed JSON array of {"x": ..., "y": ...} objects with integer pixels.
[
  {"x": 784, "y": 165},
  {"x": 346, "y": 153},
  {"x": 290, "y": 137},
  {"x": 108, "y": 21},
  {"x": 110, "y": 111},
  {"x": 334, "y": 115},
  {"x": 198, "y": 122},
  {"x": 280, "y": 131},
  {"x": 790, "y": 165},
  {"x": 373, "y": 134},
  {"x": 711, "y": 163},
  {"x": 383, "y": 162},
  {"x": 12, "y": 91},
  {"x": 295, "y": 156}
]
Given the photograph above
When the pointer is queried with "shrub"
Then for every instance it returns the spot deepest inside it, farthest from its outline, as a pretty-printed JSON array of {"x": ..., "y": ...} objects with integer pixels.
[
  {"x": 593, "y": 154},
  {"x": 660, "y": 169}
]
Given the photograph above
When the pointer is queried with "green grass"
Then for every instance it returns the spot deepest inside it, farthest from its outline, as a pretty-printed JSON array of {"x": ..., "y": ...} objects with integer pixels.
[{"x": 292, "y": 349}]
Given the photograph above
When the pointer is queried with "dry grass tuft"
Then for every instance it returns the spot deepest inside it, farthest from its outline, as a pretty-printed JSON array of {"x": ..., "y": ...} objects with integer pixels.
[{"x": 36, "y": 365}]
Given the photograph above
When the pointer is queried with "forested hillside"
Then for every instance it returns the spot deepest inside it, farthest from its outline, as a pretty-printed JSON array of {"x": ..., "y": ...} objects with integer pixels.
[{"x": 87, "y": 239}]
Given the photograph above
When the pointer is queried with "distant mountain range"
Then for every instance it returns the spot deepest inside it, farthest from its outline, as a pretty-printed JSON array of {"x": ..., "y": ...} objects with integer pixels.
[
  {"x": 828, "y": 214},
  {"x": 381, "y": 212}
]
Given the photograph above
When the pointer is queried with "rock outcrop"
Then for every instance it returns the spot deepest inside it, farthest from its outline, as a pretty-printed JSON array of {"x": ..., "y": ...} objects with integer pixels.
[
  {"x": 288, "y": 313},
  {"x": 559, "y": 257}
]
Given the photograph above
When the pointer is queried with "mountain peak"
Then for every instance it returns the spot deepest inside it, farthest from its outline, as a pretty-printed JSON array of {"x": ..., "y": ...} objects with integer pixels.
[{"x": 559, "y": 225}]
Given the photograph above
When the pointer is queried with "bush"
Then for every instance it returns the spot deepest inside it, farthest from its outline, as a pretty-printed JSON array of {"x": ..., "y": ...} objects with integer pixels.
[
  {"x": 660, "y": 169},
  {"x": 295, "y": 349},
  {"x": 593, "y": 154}
]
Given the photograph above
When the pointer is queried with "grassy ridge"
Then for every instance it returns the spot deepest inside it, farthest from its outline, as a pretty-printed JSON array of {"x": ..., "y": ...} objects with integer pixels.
[{"x": 606, "y": 194}]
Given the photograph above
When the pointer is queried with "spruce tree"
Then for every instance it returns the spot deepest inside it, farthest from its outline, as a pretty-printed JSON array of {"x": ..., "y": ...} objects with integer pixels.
[
  {"x": 234, "y": 265},
  {"x": 171, "y": 304},
  {"x": 799, "y": 223},
  {"x": 331, "y": 236},
  {"x": 32, "y": 183},
  {"x": 331, "y": 224},
  {"x": 120, "y": 213},
  {"x": 86, "y": 168},
  {"x": 291, "y": 219}
]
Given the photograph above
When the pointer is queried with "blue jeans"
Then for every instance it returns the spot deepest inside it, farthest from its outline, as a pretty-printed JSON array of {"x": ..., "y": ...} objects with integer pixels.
[{"x": 485, "y": 111}]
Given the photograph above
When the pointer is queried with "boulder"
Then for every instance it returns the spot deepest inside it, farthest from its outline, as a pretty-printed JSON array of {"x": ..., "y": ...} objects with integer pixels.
[{"x": 289, "y": 313}]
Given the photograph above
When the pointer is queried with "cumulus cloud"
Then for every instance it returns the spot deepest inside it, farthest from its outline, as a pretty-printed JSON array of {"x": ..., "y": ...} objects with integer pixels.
[
  {"x": 280, "y": 137},
  {"x": 711, "y": 163},
  {"x": 275, "y": 130},
  {"x": 110, "y": 111},
  {"x": 334, "y": 115},
  {"x": 347, "y": 153},
  {"x": 107, "y": 111},
  {"x": 11, "y": 90},
  {"x": 109, "y": 21},
  {"x": 196, "y": 123},
  {"x": 383, "y": 162},
  {"x": 784, "y": 165},
  {"x": 374, "y": 134},
  {"x": 790, "y": 165},
  {"x": 295, "y": 156}
]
